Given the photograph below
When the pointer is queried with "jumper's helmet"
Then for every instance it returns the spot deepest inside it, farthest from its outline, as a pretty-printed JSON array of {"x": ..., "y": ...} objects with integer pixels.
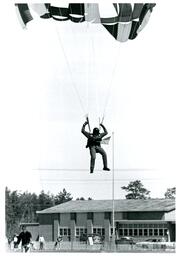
[{"x": 95, "y": 131}]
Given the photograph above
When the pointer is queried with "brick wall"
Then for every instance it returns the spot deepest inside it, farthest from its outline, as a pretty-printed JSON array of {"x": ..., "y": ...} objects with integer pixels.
[
  {"x": 81, "y": 219},
  {"x": 65, "y": 219},
  {"x": 98, "y": 219}
]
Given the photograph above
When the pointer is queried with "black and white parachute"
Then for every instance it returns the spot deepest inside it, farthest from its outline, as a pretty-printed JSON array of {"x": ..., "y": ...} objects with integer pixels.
[{"x": 122, "y": 20}]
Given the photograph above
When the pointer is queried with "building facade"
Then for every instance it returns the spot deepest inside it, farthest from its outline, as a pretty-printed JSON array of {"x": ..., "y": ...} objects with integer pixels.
[{"x": 141, "y": 219}]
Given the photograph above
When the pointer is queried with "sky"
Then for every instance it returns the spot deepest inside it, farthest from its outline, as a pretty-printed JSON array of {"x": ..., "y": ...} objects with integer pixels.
[{"x": 54, "y": 74}]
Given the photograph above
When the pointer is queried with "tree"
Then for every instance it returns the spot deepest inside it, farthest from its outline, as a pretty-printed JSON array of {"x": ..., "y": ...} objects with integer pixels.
[
  {"x": 29, "y": 206},
  {"x": 12, "y": 211},
  {"x": 170, "y": 193},
  {"x": 80, "y": 198},
  {"x": 62, "y": 197},
  {"x": 45, "y": 200},
  {"x": 136, "y": 190},
  {"x": 83, "y": 199},
  {"x": 22, "y": 207}
]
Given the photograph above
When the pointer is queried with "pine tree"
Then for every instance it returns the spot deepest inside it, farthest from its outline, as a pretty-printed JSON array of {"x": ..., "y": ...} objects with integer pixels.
[{"x": 136, "y": 190}]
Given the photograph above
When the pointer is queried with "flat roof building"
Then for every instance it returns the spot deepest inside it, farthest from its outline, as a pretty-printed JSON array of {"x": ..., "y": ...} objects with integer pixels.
[{"x": 142, "y": 219}]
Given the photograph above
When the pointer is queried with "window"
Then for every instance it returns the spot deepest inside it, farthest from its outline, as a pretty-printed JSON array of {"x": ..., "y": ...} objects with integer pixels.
[
  {"x": 130, "y": 232},
  {"x": 140, "y": 232},
  {"x": 99, "y": 230},
  {"x": 125, "y": 232},
  {"x": 145, "y": 232},
  {"x": 103, "y": 232},
  {"x": 65, "y": 231},
  {"x": 161, "y": 233},
  {"x": 135, "y": 232},
  {"x": 80, "y": 231},
  {"x": 155, "y": 232},
  {"x": 150, "y": 232}
]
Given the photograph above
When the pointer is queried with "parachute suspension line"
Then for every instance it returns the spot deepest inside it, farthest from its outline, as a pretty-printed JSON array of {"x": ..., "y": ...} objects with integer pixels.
[
  {"x": 108, "y": 95},
  {"x": 87, "y": 68},
  {"x": 87, "y": 78},
  {"x": 91, "y": 68},
  {"x": 96, "y": 85},
  {"x": 70, "y": 72},
  {"x": 112, "y": 75},
  {"x": 101, "y": 122}
]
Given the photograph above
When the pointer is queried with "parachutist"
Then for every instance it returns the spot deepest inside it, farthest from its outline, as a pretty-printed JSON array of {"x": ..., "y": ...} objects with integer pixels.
[{"x": 94, "y": 145}]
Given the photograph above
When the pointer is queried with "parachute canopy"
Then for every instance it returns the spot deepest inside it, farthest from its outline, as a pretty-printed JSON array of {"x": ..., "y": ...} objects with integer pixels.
[{"x": 122, "y": 20}]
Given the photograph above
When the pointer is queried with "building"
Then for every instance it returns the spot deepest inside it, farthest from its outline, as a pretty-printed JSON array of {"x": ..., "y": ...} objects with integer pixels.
[{"x": 142, "y": 219}]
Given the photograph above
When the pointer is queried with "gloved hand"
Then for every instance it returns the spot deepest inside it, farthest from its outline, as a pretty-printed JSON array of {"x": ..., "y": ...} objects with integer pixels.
[{"x": 85, "y": 123}]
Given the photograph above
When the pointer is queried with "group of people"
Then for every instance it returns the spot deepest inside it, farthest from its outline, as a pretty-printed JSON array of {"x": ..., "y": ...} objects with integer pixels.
[{"x": 23, "y": 241}]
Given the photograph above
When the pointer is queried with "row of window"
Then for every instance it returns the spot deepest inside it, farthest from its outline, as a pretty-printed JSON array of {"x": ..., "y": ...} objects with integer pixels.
[
  {"x": 97, "y": 230},
  {"x": 142, "y": 232},
  {"x": 120, "y": 231},
  {"x": 80, "y": 231}
]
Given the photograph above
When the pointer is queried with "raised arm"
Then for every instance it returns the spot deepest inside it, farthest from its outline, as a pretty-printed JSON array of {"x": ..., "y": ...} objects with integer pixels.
[
  {"x": 87, "y": 134},
  {"x": 105, "y": 132}
]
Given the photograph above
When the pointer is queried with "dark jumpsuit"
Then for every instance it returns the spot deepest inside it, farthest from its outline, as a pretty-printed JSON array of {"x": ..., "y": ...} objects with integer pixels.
[{"x": 94, "y": 144}]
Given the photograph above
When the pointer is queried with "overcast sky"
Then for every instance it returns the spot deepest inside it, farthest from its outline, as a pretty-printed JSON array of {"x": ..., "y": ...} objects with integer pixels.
[{"x": 53, "y": 74}]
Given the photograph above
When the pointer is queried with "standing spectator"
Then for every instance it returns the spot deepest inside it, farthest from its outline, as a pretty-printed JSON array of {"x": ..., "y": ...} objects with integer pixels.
[
  {"x": 15, "y": 241},
  {"x": 25, "y": 239},
  {"x": 41, "y": 242},
  {"x": 9, "y": 240},
  {"x": 57, "y": 244}
]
